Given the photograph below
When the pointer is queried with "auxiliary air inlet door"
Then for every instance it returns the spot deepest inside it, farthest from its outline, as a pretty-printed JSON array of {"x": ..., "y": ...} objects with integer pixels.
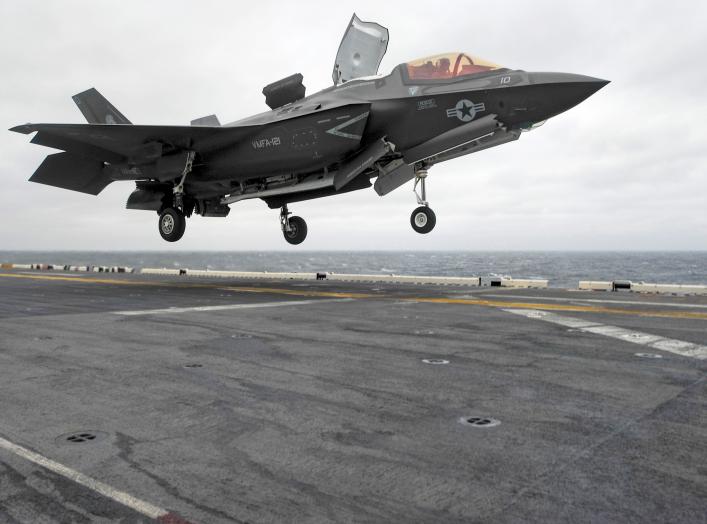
[{"x": 361, "y": 50}]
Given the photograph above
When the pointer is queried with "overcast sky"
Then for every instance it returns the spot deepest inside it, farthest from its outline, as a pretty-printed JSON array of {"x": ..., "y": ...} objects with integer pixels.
[{"x": 626, "y": 169}]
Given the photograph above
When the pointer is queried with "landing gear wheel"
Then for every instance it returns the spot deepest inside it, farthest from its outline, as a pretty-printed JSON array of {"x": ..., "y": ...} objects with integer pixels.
[
  {"x": 297, "y": 231},
  {"x": 423, "y": 219},
  {"x": 172, "y": 224}
]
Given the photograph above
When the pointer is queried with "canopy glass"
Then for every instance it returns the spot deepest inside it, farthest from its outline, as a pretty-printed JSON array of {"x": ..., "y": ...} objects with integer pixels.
[{"x": 448, "y": 65}]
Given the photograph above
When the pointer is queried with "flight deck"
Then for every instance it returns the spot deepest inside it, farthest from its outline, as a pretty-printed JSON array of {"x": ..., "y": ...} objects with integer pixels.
[{"x": 140, "y": 398}]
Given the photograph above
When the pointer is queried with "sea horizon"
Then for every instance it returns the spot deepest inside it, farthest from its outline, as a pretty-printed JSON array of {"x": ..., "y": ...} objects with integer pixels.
[{"x": 561, "y": 268}]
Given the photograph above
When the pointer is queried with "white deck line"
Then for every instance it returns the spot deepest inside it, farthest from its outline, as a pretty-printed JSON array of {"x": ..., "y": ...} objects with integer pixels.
[
  {"x": 679, "y": 347},
  {"x": 224, "y": 307},
  {"x": 147, "y": 509}
]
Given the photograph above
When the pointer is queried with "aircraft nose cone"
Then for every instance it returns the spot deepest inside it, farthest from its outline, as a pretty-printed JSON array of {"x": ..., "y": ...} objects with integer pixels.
[
  {"x": 565, "y": 90},
  {"x": 566, "y": 78}
]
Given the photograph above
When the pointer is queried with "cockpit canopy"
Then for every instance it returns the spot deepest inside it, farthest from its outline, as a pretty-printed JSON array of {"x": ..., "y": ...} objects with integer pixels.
[
  {"x": 361, "y": 50},
  {"x": 447, "y": 66}
]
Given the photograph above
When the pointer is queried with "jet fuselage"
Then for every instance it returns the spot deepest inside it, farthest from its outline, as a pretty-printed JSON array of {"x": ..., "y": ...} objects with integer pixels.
[{"x": 307, "y": 135}]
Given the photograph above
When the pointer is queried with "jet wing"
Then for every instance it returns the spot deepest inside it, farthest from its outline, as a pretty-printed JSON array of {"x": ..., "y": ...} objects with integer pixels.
[
  {"x": 88, "y": 146},
  {"x": 139, "y": 143}
]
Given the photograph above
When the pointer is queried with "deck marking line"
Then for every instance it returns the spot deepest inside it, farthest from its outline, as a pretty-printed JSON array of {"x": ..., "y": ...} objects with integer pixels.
[
  {"x": 301, "y": 293},
  {"x": 146, "y": 508},
  {"x": 679, "y": 347},
  {"x": 225, "y": 307},
  {"x": 81, "y": 279},
  {"x": 89, "y": 280},
  {"x": 598, "y": 301},
  {"x": 73, "y": 275},
  {"x": 560, "y": 307},
  {"x": 428, "y": 300},
  {"x": 478, "y": 302}
]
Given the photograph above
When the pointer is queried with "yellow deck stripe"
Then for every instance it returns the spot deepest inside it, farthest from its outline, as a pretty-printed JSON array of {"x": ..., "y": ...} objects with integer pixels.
[
  {"x": 108, "y": 281},
  {"x": 77, "y": 278},
  {"x": 481, "y": 302},
  {"x": 303, "y": 293},
  {"x": 560, "y": 307},
  {"x": 428, "y": 300}
]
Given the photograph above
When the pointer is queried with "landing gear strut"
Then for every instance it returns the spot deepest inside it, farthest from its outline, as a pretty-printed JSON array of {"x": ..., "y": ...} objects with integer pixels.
[
  {"x": 423, "y": 219},
  {"x": 294, "y": 229},
  {"x": 172, "y": 221},
  {"x": 179, "y": 188}
]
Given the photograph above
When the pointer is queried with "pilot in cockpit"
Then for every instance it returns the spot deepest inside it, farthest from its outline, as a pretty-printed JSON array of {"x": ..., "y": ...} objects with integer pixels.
[
  {"x": 447, "y": 66},
  {"x": 437, "y": 69}
]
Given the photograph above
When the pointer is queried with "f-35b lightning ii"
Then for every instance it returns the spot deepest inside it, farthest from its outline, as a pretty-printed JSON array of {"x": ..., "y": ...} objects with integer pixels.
[{"x": 366, "y": 126}]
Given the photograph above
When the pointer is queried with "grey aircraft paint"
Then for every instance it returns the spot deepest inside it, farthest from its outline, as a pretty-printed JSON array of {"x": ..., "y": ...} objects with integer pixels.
[{"x": 391, "y": 128}]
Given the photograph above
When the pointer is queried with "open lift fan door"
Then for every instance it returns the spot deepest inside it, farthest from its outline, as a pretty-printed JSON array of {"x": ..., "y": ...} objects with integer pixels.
[{"x": 361, "y": 50}]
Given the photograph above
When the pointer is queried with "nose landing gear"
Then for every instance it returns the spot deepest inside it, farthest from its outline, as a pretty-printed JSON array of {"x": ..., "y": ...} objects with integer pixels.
[
  {"x": 294, "y": 229},
  {"x": 423, "y": 219}
]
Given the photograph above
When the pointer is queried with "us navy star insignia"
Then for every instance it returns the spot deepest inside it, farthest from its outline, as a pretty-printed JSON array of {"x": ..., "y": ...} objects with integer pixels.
[{"x": 465, "y": 110}]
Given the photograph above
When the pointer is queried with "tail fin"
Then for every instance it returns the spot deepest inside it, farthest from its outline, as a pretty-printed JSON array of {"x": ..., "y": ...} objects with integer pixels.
[
  {"x": 97, "y": 110},
  {"x": 211, "y": 121}
]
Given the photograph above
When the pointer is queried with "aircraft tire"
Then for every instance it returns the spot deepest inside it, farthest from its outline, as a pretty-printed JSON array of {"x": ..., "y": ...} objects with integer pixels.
[
  {"x": 423, "y": 220},
  {"x": 298, "y": 231},
  {"x": 171, "y": 224}
]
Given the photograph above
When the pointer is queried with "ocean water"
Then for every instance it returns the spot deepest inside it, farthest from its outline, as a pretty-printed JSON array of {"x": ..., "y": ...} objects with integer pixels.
[{"x": 563, "y": 269}]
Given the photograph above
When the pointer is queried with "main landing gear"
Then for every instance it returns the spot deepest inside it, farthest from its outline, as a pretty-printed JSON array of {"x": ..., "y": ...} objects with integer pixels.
[
  {"x": 294, "y": 229},
  {"x": 172, "y": 221},
  {"x": 172, "y": 224},
  {"x": 423, "y": 219}
]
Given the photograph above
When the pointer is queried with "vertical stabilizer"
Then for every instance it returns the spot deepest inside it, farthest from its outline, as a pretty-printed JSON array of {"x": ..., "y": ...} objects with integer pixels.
[
  {"x": 97, "y": 110},
  {"x": 209, "y": 121}
]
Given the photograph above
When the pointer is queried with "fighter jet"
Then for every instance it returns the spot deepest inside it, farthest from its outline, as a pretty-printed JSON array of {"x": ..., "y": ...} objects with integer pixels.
[{"x": 365, "y": 127}]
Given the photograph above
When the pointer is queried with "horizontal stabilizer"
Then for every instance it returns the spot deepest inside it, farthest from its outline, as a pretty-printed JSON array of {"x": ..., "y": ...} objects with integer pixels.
[
  {"x": 97, "y": 110},
  {"x": 72, "y": 172},
  {"x": 75, "y": 147},
  {"x": 210, "y": 120}
]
